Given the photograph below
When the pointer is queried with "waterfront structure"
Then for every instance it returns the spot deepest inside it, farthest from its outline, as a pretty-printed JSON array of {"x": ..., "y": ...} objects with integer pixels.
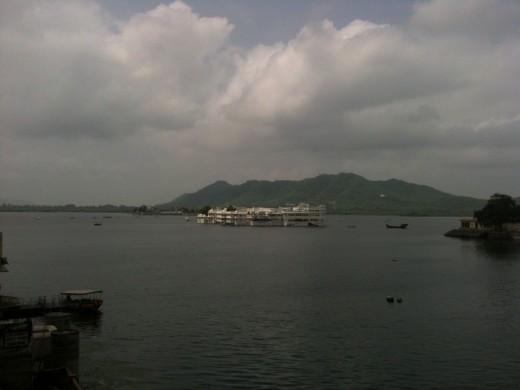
[
  {"x": 36, "y": 356},
  {"x": 471, "y": 228},
  {"x": 301, "y": 215}
]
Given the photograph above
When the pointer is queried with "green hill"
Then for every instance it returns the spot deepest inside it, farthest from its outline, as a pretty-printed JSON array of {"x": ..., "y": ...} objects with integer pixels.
[{"x": 345, "y": 193}]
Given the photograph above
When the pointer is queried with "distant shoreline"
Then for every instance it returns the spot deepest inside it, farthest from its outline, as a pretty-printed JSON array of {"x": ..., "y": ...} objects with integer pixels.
[
  {"x": 67, "y": 208},
  {"x": 130, "y": 210}
]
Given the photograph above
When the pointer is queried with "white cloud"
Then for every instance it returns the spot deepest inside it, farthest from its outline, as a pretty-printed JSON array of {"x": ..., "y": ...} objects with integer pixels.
[
  {"x": 73, "y": 72},
  {"x": 163, "y": 96}
]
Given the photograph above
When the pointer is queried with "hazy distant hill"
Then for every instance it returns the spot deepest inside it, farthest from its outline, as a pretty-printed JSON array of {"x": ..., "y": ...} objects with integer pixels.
[{"x": 343, "y": 193}]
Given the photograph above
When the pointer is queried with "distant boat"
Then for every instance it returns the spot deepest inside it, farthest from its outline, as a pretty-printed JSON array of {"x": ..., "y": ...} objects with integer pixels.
[
  {"x": 401, "y": 226},
  {"x": 82, "y": 300},
  {"x": 97, "y": 224}
]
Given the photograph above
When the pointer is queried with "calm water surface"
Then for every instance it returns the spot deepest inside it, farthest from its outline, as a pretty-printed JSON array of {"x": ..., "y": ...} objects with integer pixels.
[{"x": 192, "y": 306}]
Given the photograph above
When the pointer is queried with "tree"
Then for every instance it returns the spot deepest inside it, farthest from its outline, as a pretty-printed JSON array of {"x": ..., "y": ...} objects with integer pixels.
[
  {"x": 498, "y": 210},
  {"x": 205, "y": 210}
]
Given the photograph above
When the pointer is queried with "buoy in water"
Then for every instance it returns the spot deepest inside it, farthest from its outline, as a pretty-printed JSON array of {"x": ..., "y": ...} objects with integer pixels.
[{"x": 390, "y": 299}]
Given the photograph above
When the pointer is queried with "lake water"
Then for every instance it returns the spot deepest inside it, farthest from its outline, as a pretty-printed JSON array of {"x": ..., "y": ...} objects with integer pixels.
[{"x": 191, "y": 306}]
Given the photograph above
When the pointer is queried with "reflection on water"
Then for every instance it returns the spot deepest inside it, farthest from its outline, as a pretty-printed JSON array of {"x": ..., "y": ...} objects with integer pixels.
[
  {"x": 501, "y": 250},
  {"x": 89, "y": 323}
]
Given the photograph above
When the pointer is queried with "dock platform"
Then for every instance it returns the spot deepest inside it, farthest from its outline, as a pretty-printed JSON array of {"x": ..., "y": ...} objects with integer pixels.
[{"x": 34, "y": 307}]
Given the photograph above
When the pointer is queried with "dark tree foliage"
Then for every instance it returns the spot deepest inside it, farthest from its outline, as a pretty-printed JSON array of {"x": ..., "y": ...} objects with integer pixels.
[
  {"x": 205, "y": 210},
  {"x": 141, "y": 209},
  {"x": 498, "y": 210}
]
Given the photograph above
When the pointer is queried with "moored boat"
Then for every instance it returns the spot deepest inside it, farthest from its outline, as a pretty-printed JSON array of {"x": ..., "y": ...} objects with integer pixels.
[
  {"x": 401, "y": 226},
  {"x": 82, "y": 300}
]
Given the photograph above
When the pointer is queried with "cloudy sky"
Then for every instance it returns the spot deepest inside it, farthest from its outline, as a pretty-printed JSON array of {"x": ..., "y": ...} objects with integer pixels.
[{"x": 132, "y": 102}]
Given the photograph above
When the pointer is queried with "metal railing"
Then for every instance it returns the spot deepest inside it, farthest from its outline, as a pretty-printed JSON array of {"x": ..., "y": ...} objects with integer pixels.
[{"x": 43, "y": 301}]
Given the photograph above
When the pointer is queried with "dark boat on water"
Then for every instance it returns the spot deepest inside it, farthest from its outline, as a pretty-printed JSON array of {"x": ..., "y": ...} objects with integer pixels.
[
  {"x": 82, "y": 300},
  {"x": 401, "y": 226}
]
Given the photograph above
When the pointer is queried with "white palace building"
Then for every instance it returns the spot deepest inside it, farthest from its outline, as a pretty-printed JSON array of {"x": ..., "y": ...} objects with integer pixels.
[{"x": 301, "y": 215}]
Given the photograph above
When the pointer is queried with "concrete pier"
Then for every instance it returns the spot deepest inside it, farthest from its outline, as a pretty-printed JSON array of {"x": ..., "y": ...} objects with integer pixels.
[
  {"x": 65, "y": 350},
  {"x": 37, "y": 308},
  {"x": 59, "y": 319},
  {"x": 37, "y": 356}
]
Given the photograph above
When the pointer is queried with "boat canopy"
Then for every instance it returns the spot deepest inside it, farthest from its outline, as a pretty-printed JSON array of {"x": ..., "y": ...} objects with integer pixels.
[{"x": 81, "y": 292}]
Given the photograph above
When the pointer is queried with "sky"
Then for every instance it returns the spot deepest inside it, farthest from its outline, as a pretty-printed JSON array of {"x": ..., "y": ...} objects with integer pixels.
[{"x": 137, "y": 102}]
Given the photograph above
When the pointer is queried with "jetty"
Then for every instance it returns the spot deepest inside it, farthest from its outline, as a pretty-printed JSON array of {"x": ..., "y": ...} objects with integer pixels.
[
  {"x": 41, "y": 353},
  {"x": 33, "y": 307}
]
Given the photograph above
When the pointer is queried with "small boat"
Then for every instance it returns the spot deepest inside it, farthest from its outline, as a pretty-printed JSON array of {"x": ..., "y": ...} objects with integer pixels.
[
  {"x": 82, "y": 300},
  {"x": 401, "y": 226},
  {"x": 97, "y": 224}
]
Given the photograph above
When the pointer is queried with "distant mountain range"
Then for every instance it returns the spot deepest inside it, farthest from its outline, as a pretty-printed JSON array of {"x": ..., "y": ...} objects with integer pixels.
[{"x": 344, "y": 193}]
